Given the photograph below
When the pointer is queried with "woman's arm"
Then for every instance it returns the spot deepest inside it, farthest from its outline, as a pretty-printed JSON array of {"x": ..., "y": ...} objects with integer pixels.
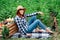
[
  {"x": 33, "y": 14},
  {"x": 20, "y": 25}
]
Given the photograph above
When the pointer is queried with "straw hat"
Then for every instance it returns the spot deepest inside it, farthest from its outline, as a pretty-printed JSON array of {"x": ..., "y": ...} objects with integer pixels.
[{"x": 20, "y": 7}]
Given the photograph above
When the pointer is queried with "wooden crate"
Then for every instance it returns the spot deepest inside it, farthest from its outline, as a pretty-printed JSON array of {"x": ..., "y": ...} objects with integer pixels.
[{"x": 12, "y": 29}]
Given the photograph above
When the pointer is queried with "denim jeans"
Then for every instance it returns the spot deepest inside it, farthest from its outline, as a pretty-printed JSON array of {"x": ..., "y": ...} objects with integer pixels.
[{"x": 33, "y": 23}]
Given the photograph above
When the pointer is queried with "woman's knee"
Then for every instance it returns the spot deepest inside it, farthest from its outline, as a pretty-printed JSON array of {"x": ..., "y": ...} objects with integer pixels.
[
  {"x": 34, "y": 17},
  {"x": 37, "y": 20}
]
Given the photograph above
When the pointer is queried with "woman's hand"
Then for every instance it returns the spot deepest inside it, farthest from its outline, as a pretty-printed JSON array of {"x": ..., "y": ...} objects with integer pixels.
[
  {"x": 40, "y": 13},
  {"x": 29, "y": 35},
  {"x": 39, "y": 30}
]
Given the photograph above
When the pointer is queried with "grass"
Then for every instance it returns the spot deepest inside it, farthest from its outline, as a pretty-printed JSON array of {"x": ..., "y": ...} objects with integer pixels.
[
  {"x": 8, "y": 9},
  {"x": 33, "y": 39},
  {"x": 28, "y": 39},
  {"x": 52, "y": 38},
  {"x": 56, "y": 36}
]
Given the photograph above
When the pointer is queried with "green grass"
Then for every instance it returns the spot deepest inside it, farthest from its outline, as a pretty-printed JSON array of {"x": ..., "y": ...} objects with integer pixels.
[
  {"x": 8, "y": 8},
  {"x": 30, "y": 39},
  {"x": 55, "y": 37}
]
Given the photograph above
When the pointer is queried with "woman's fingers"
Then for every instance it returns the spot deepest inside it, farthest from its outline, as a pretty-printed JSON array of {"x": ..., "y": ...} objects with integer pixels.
[
  {"x": 41, "y": 13},
  {"x": 29, "y": 34}
]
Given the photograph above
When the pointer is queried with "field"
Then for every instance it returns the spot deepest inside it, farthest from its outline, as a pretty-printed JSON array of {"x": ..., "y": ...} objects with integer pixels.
[{"x": 8, "y": 10}]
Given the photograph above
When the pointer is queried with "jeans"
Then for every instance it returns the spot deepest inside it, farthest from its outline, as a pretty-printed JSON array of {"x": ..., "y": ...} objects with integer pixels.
[{"x": 33, "y": 23}]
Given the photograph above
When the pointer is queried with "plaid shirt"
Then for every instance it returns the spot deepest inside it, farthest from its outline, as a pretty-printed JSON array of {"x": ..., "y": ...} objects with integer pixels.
[{"x": 22, "y": 23}]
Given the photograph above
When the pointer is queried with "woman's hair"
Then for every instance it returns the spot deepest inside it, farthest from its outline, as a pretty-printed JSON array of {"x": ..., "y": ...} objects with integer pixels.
[{"x": 18, "y": 13}]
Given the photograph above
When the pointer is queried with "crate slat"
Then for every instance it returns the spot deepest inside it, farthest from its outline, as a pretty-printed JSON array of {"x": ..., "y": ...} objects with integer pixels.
[
  {"x": 12, "y": 33},
  {"x": 12, "y": 29}
]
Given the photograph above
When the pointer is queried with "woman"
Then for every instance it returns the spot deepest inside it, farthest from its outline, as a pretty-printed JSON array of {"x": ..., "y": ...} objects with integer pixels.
[{"x": 28, "y": 27}]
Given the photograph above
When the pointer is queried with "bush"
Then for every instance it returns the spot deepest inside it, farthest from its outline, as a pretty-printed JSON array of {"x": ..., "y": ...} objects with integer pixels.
[{"x": 5, "y": 32}]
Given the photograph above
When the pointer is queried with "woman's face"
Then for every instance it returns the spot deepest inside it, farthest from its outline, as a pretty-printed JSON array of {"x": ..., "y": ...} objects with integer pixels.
[{"x": 21, "y": 11}]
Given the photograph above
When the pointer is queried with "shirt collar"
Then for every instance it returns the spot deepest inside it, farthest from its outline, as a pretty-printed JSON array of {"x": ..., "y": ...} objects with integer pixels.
[{"x": 19, "y": 17}]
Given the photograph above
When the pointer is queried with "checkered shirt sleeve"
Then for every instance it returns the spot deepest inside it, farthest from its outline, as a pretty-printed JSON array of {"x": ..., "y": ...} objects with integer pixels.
[
  {"x": 32, "y": 14},
  {"x": 20, "y": 26}
]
